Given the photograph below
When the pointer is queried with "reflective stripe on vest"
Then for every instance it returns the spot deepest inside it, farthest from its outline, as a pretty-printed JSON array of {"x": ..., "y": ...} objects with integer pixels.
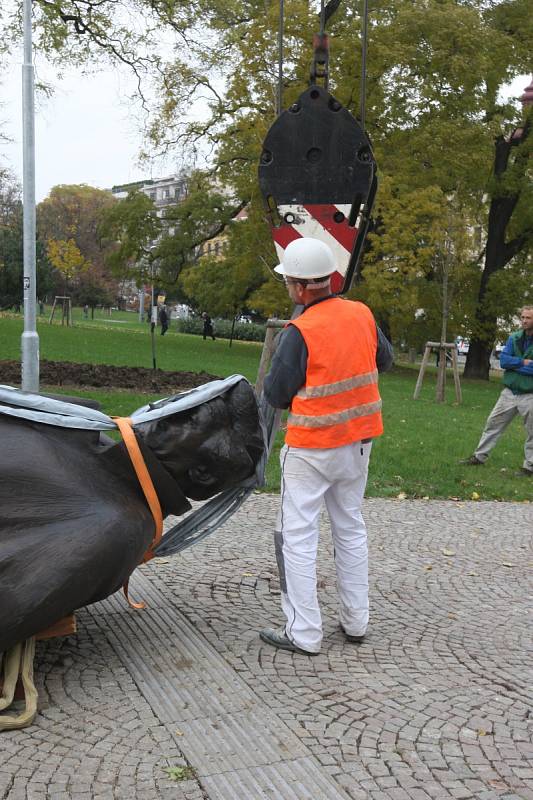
[
  {"x": 334, "y": 419},
  {"x": 340, "y": 401},
  {"x": 339, "y": 386}
]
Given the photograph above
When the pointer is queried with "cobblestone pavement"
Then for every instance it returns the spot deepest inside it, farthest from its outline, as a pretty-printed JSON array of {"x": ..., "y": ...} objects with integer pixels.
[{"x": 436, "y": 703}]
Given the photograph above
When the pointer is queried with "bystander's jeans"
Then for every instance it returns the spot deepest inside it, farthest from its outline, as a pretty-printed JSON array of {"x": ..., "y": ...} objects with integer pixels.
[
  {"x": 507, "y": 407},
  {"x": 338, "y": 477}
]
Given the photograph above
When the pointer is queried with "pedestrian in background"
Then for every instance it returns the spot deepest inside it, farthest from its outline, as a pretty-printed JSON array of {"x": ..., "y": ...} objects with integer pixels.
[
  {"x": 325, "y": 370},
  {"x": 208, "y": 327},
  {"x": 163, "y": 319},
  {"x": 516, "y": 359}
]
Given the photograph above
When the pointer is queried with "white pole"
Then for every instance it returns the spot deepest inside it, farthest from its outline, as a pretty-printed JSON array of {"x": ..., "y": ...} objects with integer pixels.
[
  {"x": 153, "y": 318},
  {"x": 30, "y": 337}
]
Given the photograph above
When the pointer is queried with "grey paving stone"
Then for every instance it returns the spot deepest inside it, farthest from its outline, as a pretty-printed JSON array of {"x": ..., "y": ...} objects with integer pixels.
[{"x": 436, "y": 699}]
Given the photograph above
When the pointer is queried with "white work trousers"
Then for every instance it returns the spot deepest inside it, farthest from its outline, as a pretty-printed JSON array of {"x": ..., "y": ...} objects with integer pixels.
[
  {"x": 338, "y": 476},
  {"x": 507, "y": 407}
]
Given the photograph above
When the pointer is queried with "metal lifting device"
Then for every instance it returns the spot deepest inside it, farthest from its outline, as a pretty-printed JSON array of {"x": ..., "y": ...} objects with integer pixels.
[{"x": 317, "y": 171}]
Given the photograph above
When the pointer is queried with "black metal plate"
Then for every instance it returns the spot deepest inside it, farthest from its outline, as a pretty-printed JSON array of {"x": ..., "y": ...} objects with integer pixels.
[{"x": 316, "y": 152}]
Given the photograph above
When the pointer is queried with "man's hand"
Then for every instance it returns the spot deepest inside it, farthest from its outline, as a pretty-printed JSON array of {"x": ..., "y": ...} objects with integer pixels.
[{"x": 527, "y": 361}]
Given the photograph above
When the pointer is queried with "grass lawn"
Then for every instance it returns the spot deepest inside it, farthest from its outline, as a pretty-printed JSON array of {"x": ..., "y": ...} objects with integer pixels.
[
  {"x": 129, "y": 344},
  {"x": 417, "y": 456},
  {"x": 423, "y": 442}
]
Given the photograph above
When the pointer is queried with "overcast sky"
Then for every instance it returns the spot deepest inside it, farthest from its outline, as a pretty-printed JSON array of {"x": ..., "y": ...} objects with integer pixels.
[{"x": 87, "y": 132}]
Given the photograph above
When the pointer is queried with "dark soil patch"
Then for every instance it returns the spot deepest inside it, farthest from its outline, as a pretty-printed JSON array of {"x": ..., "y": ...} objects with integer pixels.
[{"x": 104, "y": 376}]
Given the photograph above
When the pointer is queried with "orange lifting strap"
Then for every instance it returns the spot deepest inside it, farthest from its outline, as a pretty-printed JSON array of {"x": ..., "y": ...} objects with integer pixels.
[{"x": 124, "y": 424}]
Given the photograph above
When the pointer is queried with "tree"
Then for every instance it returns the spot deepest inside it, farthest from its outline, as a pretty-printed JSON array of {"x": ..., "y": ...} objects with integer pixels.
[
  {"x": 65, "y": 256},
  {"x": 433, "y": 112},
  {"x": 509, "y": 235},
  {"x": 68, "y": 220},
  {"x": 129, "y": 228},
  {"x": 11, "y": 247},
  {"x": 95, "y": 289},
  {"x": 11, "y": 257},
  {"x": 419, "y": 238},
  {"x": 224, "y": 284},
  {"x": 456, "y": 117},
  {"x": 92, "y": 33},
  {"x": 271, "y": 300},
  {"x": 203, "y": 216},
  {"x": 144, "y": 245},
  {"x": 436, "y": 68}
]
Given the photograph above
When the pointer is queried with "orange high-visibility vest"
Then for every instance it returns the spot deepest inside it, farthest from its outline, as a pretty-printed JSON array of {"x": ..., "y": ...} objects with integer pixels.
[{"x": 339, "y": 402}]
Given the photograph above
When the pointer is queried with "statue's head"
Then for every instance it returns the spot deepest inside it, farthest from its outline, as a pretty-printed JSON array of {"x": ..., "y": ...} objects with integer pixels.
[{"x": 213, "y": 446}]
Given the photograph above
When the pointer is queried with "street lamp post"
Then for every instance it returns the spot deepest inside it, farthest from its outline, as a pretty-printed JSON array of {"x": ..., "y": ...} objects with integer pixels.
[
  {"x": 30, "y": 337},
  {"x": 153, "y": 318},
  {"x": 141, "y": 304}
]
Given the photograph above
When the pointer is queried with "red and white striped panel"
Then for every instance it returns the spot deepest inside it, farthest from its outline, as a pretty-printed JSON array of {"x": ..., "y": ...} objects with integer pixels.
[{"x": 318, "y": 222}]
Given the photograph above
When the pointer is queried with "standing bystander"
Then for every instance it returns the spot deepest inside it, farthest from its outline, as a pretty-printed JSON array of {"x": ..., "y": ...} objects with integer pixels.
[
  {"x": 208, "y": 329},
  {"x": 516, "y": 359},
  {"x": 163, "y": 319},
  {"x": 325, "y": 370}
]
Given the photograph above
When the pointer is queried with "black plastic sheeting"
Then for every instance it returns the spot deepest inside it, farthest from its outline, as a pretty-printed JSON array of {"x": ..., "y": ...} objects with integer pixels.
[
  {"x": 74, "y": 523},
  {"x": 207, "y": 518}
]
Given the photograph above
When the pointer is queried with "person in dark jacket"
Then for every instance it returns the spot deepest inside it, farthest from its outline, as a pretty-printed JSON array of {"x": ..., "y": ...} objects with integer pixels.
[
  {"x": 208, "y": 327},
  {"x": 163, "y": 319}
]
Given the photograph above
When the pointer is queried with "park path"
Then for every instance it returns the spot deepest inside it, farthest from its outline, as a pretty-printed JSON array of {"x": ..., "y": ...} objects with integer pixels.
[{"x": 436, "y": 703}]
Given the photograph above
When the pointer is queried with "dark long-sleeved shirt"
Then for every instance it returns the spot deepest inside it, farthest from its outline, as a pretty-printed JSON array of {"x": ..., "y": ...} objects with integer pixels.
[{"x": 289, "y": 364}]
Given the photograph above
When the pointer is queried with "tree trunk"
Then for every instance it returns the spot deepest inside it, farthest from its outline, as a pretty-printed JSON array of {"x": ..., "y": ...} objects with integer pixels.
[
  {"x": 498, "y": 253},
  {"x": 478, "y": 360}
]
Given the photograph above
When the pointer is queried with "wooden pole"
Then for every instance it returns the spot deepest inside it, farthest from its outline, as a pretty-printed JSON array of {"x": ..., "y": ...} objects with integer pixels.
[
  {"x": 423, "y": 365},
  {"x": 269, "y": 346},
  {"x": 441, "y": 375},
  {"x": 442, "y": 348},
  {"x": 455, "y": 369},
  {"x": 52, "y": 311}
]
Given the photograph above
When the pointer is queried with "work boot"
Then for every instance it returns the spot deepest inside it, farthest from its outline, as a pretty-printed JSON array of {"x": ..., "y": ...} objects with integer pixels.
[
  {"x": 524, "y": 471},
  {"x": 353, "y": 639},
  {"x": 472, "y": 461},
  {"x": 281, "y": 640}
]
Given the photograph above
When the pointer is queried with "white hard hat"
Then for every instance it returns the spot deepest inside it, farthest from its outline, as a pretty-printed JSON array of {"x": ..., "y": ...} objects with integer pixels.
[{"x": 307, "y": 258}]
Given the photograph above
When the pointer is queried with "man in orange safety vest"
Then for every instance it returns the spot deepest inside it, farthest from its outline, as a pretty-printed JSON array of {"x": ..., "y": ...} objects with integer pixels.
[{"x": 325, "y": 371}]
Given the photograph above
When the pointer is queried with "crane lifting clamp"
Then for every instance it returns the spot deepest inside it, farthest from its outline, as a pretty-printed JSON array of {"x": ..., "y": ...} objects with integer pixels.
[
  {"x": 317, "y": 175},
  {"x": 319, "y": 68}
]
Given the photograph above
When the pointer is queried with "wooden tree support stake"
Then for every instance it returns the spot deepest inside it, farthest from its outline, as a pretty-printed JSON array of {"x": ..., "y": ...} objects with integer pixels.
[
  {"x": 443, "y": 348},
  {"x": 66, "y": 309}
]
